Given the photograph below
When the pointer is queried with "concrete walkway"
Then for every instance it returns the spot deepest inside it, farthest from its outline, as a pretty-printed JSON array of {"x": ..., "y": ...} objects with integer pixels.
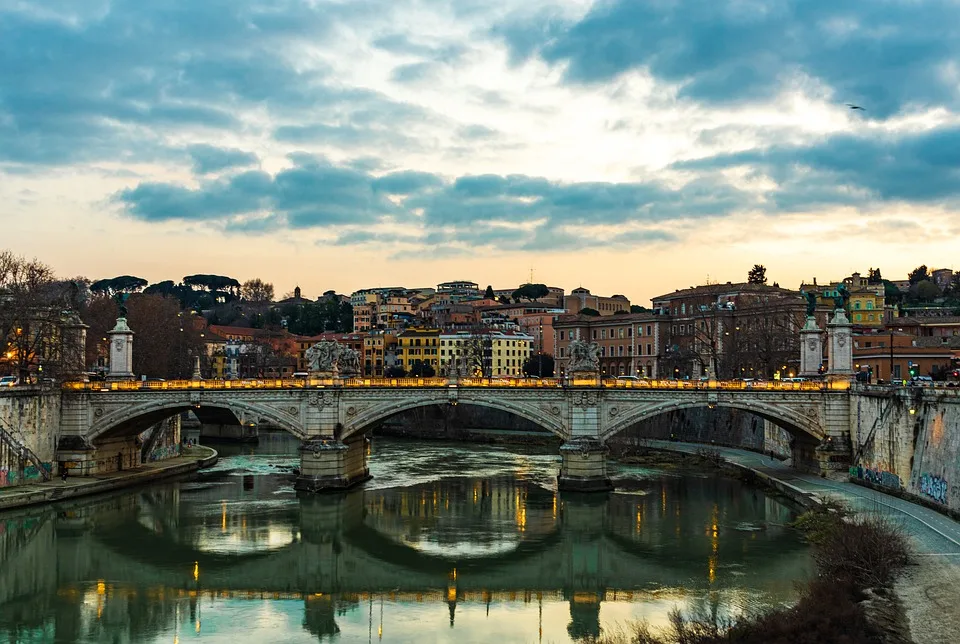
[
  {"x": 192, "y": 459},
  {"x": 929, "y": 590}
]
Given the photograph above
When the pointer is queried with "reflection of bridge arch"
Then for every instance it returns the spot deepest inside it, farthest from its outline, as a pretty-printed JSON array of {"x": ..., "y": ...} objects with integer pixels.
[
  {"x": 540, "y": 417},
  {"x": 789, "y": 418},
  {"x": 136, "y": 418}
]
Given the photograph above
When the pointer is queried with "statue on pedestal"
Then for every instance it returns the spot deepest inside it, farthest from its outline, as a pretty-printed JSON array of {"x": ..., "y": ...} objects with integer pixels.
[
  {"x": 843, "y": 296},
  {"x": 348, "y": 362},
  {"x": 811, "y": 302},
  {"x": 583, "y": 357},
  {"x": 323, "y": 357}
]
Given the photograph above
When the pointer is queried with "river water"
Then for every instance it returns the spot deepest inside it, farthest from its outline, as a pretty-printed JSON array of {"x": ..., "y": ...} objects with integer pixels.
[{"x": 450, "y": 542}]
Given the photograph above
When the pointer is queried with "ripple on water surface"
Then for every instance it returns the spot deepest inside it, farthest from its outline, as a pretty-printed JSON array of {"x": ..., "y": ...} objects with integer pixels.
[{"x": 450, "y": 542}]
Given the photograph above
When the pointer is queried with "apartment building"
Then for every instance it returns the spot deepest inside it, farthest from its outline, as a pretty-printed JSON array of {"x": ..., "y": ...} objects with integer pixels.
[{"x": 629, "y": 345}]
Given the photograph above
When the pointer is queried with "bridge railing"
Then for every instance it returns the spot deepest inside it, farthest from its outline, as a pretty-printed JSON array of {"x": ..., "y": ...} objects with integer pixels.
[{"x": 494, "y": 383}]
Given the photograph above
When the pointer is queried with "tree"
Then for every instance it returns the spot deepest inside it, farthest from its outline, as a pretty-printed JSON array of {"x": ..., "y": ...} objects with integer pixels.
[
  {"x": 503, "y": 299},
  {"x": 874, "y": 277},
  {"x": 422, "y": 370},
  {"x": 396, "y": 371},
  {"x": 165, "y": 338},
  {"x": 120, "y": 284},
  {"x": 621, "y": 312},
  {"x": 32, "y": 311},
  {"x": 256, "y": 291},
  {"x": 919, "y": 274},
  {"x": 924, "y": 291},
  {"x": 635, "y": 308},
  {"x": 530, "y": 292},
  {"x": 489, "y": 294},
  {"x": 757, "y": 274},
  {"x": 214, "y": 283},
  {"x": 588, "y": 311},
  {"x": 541, "y": 365}
]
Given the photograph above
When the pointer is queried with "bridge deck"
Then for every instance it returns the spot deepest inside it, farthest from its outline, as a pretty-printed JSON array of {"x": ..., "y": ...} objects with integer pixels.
[{"x": 432, "y": 383}]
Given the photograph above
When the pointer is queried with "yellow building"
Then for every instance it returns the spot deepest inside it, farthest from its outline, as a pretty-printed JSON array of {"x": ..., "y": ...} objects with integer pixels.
[
  {"x": 865, "y": 303},
  {"x": 375, "y": 347},
  {"x": 418, "y": 345},
  {"x": 494, "y": 354}
]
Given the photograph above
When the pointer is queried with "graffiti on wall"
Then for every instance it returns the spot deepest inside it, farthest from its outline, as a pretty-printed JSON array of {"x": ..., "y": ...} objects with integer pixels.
[
  {"x": 164, "y": 452},
  {"x": 934, "y": 487},
  {"x": 876, "y": 477},
  {"x": 30, "y": 473}
]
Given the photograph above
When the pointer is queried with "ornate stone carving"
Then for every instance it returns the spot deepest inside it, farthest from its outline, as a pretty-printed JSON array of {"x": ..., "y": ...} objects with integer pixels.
[
  {"x": 321, "y": 399},
  {"x": 586, "y": 398},
  {"x": 323, "y": 356},
  {"x": 348, "y": 362},
  {"x": 583, "y": 356}
]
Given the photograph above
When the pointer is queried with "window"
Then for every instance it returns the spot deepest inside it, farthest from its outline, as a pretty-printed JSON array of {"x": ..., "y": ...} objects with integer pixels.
[
  {"x": 857, "y": 317},
  {"x": 649, "y": 352},
  {"x": 649, "y": 332},
  {"x": 869, "y": 306},
  {"x": 630, "y": 332},
  {"x": 603, "y": 334},
  {"x": 856, "y": 305}
]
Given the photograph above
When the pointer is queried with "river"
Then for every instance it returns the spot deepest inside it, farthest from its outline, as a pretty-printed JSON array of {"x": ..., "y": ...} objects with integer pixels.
[{"x": 450, "y": 542}]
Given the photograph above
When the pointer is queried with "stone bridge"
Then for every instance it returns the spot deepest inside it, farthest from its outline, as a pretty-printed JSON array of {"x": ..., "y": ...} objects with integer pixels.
[{"x": 99, "y": 423}]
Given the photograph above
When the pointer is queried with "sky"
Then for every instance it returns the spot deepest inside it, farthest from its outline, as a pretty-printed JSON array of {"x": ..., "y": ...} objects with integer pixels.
[{"x": 628, "y": 147}]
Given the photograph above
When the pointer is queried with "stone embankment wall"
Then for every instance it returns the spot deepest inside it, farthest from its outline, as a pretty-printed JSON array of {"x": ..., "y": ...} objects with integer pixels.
[
  {"x": 722, "y": 426},
  {"x": 907, "y": 441},
  {"x": 32, "y": 417}
]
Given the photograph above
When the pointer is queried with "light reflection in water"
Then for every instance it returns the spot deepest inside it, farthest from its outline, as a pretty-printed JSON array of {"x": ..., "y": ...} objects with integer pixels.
[{"x": 479, "y": 556}]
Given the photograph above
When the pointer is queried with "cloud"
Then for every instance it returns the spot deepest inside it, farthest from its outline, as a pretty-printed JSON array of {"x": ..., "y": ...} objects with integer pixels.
[
  {"x": 208, "y": 159},
  {"x": 887, "y": 55},
  {"x": 514, "y": 212},
  {"x": 846, "y": 169},
  {"x": 117, "y": 81}
]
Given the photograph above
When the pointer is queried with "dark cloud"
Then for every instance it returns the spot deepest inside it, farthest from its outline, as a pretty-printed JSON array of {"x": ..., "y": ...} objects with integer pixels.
[
  {"x": 513, "y": 212},
  {"x": 208, "y": 159},
  {"x": 848, "y": 170},
  {"x": 886, "y": 55},
  {"x": 97, "y": 80}
]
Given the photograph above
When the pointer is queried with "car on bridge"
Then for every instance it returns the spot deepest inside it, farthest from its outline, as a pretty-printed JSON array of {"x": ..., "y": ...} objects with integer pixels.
[{"x": 9, "y": 381}]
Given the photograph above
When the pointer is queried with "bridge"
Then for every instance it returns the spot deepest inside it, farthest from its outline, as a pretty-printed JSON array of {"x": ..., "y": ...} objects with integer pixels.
[{"x": 332, "y": 417}]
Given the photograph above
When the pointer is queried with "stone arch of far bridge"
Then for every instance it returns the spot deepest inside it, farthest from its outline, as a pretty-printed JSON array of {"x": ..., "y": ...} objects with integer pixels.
[
  {"x": 791, "y": 419},
  {"x": 133, "y": 419},
  {"x": 545, "y": 419}
]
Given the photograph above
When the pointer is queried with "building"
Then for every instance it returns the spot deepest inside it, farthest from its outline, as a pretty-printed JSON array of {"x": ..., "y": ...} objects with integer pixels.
[
  {"x": 629, "y": 344},
  {"x": 581, "y": 298},
  {"x": 418, "y": 345},
  {"x": 893, "y": 355},
  {"x": 539, "y": 326},
  {"x": 377, "y": 346},
  {"x": 732, "y": 330},
  {"x": 865, "y": 306},
  {"x": 492, "y": 353}
]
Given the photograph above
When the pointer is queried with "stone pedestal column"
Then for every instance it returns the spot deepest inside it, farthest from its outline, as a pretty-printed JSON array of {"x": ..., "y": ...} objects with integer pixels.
[
  {"x": 233, "y": 370},
  {"x": 121, "y": 351},
  {"x": 196, "y": 375},
  {"x": 583, "y": 466},
  {"x": 840, "y": 338},
  {"x": 73, "y": 349},
  {"x": 811, "y": 348},
  {"x": 328, "y": 464}
]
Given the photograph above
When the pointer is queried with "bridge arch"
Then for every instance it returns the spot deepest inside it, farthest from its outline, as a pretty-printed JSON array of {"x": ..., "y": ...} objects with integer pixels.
[
  {"x": 133, "y": 419},
  {"x": 794, "y": 420},
  {"x": 367, "y": 418}
]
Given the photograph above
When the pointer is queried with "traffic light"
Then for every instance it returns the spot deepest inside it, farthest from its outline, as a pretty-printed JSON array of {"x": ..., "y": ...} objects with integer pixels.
[{"x": 914, "y": 370}]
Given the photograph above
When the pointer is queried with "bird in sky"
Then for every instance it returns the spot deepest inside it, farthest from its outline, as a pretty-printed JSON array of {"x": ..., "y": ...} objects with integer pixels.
[{"x": 855, "y": 107}]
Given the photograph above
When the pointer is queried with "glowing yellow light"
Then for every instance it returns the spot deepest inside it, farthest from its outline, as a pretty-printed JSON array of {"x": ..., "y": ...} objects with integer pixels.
[
  {"x": 223, "y": 516},
  {"x": 196, "y": 570},
  {"x": 198, "y": 626},
  {"x": 101, "y": 587}
]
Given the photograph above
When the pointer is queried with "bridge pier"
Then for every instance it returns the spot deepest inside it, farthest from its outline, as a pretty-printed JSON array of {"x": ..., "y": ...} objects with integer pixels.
[
  {"x": 327, "y": 464},
  {"x": 583, "y": 466}
]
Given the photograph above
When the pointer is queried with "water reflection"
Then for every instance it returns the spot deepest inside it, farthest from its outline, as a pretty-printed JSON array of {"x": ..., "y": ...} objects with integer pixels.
[{"x": 236, "y": 555}]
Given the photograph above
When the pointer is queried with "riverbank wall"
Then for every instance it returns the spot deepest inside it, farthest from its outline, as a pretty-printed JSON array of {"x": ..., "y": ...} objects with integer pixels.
[
  {"x": 191, "y": 460},
  {"x": 30, "y": 417},
  {"x": 906, "y": 441}
]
